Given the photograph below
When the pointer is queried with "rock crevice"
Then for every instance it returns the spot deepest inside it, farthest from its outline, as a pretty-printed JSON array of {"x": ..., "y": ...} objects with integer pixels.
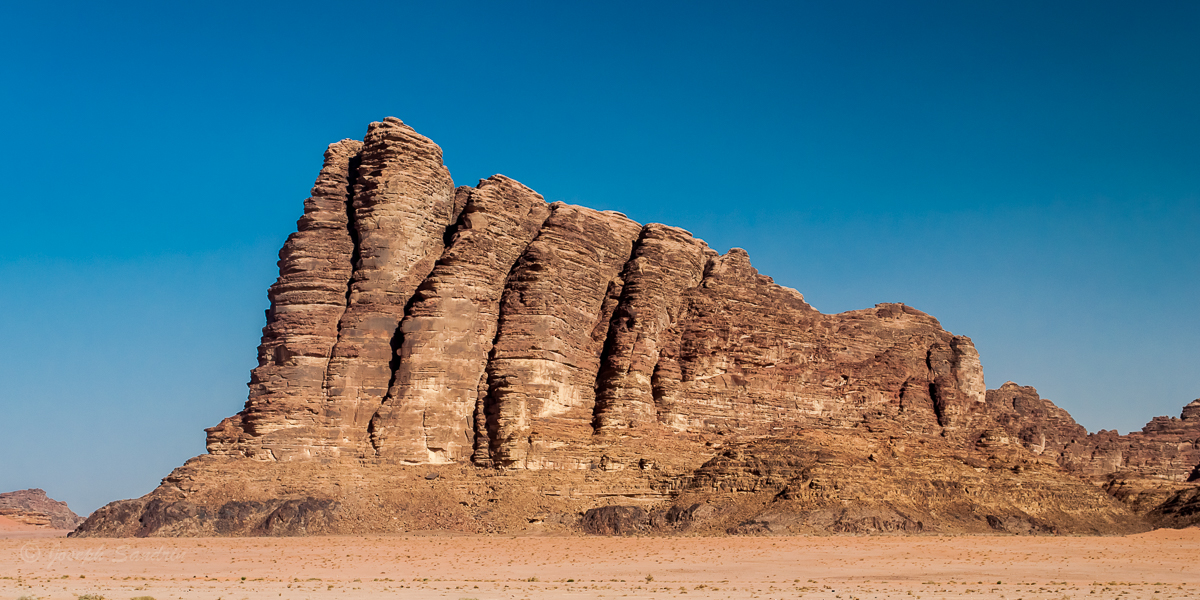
[{"x": 479, "y": 331}]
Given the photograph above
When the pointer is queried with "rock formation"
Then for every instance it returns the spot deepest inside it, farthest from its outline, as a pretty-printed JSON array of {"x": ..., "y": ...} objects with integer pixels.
[
  {"x": 540, "y": 394},
  {"x": 1155, "y": 471},
  {"x": 287, "y": 390},
  {"x": 1166, "y": 448},
  {"x": 34, "y": 507},
  {"x": 403, "y": 202},
  {"x": 476, "y": 358},
  {"x": 1034, "y": 422},
  {"x": 429, "y": 414}
]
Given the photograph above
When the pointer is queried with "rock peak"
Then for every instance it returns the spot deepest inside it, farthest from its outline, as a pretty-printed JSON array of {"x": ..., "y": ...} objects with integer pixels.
[
  {"x": 423, "y": 337},
  {"x": 1191, "y": 412},
  {"x": 735, "y": 264}
]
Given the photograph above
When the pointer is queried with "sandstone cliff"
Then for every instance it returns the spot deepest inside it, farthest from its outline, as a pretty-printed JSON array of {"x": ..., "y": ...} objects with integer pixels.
[
  {"x": 1166, "y": 448},
  {"x": 479, "y": 359},
  {"x": 34, "y": 507},
  {"x": 1155, "y": 471}
]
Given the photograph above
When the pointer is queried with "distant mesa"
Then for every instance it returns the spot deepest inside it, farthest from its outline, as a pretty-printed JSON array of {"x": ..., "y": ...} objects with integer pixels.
[
  {"x": 33, "y": 508},
  {"x": 477, "y": 359}
]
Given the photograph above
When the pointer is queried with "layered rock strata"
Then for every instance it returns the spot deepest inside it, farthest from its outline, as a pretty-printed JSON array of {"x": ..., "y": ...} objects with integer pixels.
[
  {"x": 477, "y": 348},
  {"x": 428, "y": 416},
  {"x": 752, "y": 358},
  {"x": 379, "y": 340},
  {"x": 287, "y": 389},
  {"x": 34, "y": 507},
  {"x": 404, "y": 200},
  {"x": 1155, "y": 471},
  {"x": 541, "y": 380},
  {"x": 374, "y": 227},
  {"x": 643, "y": 335},
  {"x": 1167, "y": 448},
  {"x": 856, "y": 482},
  {"x": 1034, "y": 422}
]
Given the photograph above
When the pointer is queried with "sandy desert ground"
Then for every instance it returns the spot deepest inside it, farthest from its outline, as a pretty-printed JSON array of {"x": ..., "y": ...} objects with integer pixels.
[
  {"x": 1158, "y": 565},
  {"x": 9, "y": 527}
]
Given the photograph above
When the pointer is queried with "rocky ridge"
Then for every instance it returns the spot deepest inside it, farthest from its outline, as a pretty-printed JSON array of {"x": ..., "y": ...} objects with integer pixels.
[
  {"x": 480, "y": 359},
  {"x": 34, "y": 507}
]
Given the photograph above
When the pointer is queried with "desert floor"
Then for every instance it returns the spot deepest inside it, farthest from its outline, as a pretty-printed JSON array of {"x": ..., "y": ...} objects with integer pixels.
[{"x": 1157, "y": 565}]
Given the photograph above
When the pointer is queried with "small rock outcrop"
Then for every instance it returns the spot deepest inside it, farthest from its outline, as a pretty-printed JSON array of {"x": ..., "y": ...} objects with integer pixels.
[
  {"x": 479, "y": 359},
  {"x": 1034, "y": 422},
  {"x": 34, "y": 507}
]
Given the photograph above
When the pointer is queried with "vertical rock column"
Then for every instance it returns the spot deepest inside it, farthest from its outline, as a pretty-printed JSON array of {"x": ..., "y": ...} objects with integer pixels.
[
  {"x": 958, "y": 390},
  {"x": 403, "y": 203},
  {"x": 666, "y": 262},
  {"x": 448, "y": 333},
  {"x": 308, "y": 299},
  {"x": 542, "y": 374},
  {"x": 736, "y": 361}
]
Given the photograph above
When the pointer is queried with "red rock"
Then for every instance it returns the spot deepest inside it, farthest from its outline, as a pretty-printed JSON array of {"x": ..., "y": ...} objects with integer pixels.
[
  {"x": 553, "y": 321},
  {"x": 585, "y": 357},
  {"x": 34, "y": 507},
  {"x": 1166, "y": 448},
  {"x": 666, "y": 262},
  {"x": 404, "y": 200},
  {"x": 448, "y": 331},
  {"x": 755, "y": 359},
  {"x": 1036, "y": 423},
  {"x": 307, "y": 301}
]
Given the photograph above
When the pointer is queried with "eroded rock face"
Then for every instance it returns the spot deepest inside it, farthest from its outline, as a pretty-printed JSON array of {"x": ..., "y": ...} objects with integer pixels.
[
  {"x": 369, "y": 236},
  {"x": 307, "y": 302},
  {"x": 403, "y": 202},
  {"x": 540, "y": 398},
  {"x": 847, "y": 481},
  {"x": 34, "y": 507},
  {"x": 428, "y": 417},
  {"x": 485, "y": 336},
  {"x": 616, "y": 520},
  {"x": 644, "y": 331},
  {"x": 159, "y": 517},
  {"x": 397, "y": 282},
  {"x": 753, "y": 358},
  {"x": 1154, "y": 471},
  {"x": 1035, "y": 422},
  {"x": 1181, "y": 509},
  {"x": 1167, "y": 448}
]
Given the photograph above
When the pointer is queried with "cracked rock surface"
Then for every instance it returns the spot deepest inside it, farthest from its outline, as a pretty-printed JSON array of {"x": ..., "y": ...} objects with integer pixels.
[{"x": 478, "y": 359}]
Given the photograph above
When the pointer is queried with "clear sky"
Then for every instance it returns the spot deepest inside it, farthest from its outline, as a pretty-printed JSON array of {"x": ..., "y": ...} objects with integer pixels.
[{"x": 1027, "y": 172}]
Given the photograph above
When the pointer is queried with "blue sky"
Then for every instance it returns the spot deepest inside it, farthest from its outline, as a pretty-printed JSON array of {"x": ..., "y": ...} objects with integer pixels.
[{"x": 1027, "y": 172}]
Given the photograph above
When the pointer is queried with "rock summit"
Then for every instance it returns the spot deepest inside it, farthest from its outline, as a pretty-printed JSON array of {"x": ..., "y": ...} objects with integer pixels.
[{"x": 478, "y": 359}]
